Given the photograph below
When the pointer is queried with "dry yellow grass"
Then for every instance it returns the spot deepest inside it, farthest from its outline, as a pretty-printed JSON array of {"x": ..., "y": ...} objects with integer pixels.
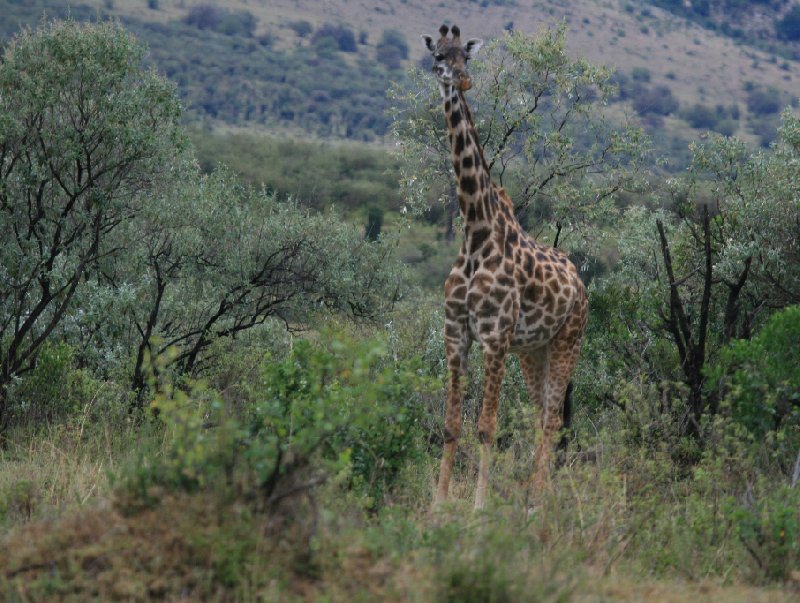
[{"x": 60, "y": 469}]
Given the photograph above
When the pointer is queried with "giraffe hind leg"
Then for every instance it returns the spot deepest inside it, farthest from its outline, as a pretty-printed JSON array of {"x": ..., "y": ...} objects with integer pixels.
[
  {"x": 563, "y": 356},
  {"x": 534, "y": 372},
  {"x": 566, "y": 429}
]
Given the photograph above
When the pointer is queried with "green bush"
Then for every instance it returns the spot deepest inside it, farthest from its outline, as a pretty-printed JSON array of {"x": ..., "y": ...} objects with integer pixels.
[
  {"x": 301, "y": 27},
  {"x": 658, "y": 100},
  {"x": 768, "y": 526},
  {"x": 323, "y": 410},
  {"x": 55, "y": 390},
  {"x": 392, "y": 49},
  {"x": 759, "y": 379},
  {"x": 343, "y": 36},
  {"x": 764, "y": 102},
  {"x": 765, "y": 127},
  {"x": 701, "y": 116}
]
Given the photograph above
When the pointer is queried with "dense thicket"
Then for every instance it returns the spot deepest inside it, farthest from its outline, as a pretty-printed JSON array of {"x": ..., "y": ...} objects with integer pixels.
[{"x": 117, "y": 245}]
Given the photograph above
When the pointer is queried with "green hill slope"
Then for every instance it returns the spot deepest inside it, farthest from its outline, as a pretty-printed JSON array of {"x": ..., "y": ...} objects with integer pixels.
[{"x": 303, "y": 67}]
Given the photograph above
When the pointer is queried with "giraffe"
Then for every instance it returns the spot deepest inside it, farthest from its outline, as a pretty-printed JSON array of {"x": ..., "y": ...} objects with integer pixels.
[{"x": 507, "y": 292}]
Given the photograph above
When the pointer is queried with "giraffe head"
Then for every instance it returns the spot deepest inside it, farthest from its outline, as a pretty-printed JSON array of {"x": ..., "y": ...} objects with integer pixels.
[{"x": 450, "y": 58}]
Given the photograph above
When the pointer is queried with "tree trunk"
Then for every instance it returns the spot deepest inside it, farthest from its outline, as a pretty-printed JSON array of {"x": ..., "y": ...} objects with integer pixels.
[{"x": 690, "y": 339}]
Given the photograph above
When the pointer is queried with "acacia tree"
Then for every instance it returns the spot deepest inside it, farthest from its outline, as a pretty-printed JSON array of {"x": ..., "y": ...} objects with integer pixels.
[
  {"x": 691, "y": 281},
  {"x": 85, "y": 135},
  {"x": 538, "y": 113},
  {"x": 116, "y": 243},
  {"x": 219, "y": 258}
]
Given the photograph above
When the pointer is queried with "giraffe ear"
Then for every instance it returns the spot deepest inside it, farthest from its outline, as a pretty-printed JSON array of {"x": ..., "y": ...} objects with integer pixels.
[
  {"x": 428, "y": 41},
  {"x": 473, "y": 46}
]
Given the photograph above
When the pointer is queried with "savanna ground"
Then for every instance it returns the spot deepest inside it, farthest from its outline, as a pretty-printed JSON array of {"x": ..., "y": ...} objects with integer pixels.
[{"x": 114, "y": 509}]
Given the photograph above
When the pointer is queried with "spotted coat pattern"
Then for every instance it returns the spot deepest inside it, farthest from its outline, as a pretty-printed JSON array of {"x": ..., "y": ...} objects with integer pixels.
[{"x": 506, "y": 291}]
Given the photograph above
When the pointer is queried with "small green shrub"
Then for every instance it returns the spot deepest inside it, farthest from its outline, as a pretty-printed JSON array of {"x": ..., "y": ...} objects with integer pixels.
[
  {"x": 55, "y": 390},
  {"x": 343, "y": 36},
  {"x": 658, "y": 100},
  {"x": 392, "y": 49},
  {"x": 701, "y": 116},
  {"x": 764, "y": 102},
  {"x": 323, "y": 410},
  {"x": 301, "y": 27},
  {"x": 769, "y": 528},
  {"x": 759, "y": 379},
  {"x": 19, "y": 500}
]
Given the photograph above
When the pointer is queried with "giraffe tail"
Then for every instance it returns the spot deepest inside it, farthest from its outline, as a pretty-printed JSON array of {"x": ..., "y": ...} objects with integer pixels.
[{"x": 566, "y": 429}]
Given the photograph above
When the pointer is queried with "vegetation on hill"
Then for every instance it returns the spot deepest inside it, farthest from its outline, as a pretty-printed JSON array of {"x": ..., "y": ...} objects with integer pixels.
[
  {"x": 226, "y": 74},
  {"x": 330, "y": 81},
  {"x": 772, "y": 24}
]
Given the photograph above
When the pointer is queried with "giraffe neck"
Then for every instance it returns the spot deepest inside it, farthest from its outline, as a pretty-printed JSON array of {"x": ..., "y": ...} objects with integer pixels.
[{"x": 477, "y": 198}]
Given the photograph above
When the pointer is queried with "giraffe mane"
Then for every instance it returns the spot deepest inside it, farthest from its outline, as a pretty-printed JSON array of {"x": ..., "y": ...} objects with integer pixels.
[{"x": 504, "y": 198}]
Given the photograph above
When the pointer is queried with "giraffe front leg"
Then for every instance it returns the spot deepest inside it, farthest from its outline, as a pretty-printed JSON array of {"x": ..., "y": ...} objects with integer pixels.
[
  {"x": 494, "y": 363},
  {"x": 457, "y": 351}
]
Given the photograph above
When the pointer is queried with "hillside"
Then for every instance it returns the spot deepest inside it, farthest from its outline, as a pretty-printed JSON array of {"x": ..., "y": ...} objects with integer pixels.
[
  {"x": 275, "y": 65},
  {"x": 696, "y": 64}
]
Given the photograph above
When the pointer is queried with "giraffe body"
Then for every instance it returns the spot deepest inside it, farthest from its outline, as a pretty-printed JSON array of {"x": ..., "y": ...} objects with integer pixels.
[{"x": 507, "y": 292}]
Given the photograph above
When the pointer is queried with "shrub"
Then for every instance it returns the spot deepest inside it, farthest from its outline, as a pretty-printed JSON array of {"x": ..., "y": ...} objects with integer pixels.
[
  {"x": 238, "y": 23},
  {"x": 726, "y": 127},
  {"x": 763, "y": 102},
  {"x": 392, "y": 49},
  {"x": 341, "y": 34},
  {"x": 56, "y": 391},
  {"x": 765, "y": 127},
  {"x": 301, "y": 27},
  {"x": 788, "y": 27},
  {"x": 658, "y": 100},
  {"x": 322, "y": 410},
  {"x": 759, "y": 379},
  {"x": 204, "y": 16},
  {"x": 768, "y": 525},
  {"x": 230, "y": 23},
  {"x": 700, "y": 116}
]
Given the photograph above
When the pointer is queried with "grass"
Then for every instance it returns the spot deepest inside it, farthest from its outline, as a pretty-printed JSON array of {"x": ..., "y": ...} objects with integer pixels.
[
  {"x": 57, "y": 469},
  {"x": 619, "y": 525}
]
